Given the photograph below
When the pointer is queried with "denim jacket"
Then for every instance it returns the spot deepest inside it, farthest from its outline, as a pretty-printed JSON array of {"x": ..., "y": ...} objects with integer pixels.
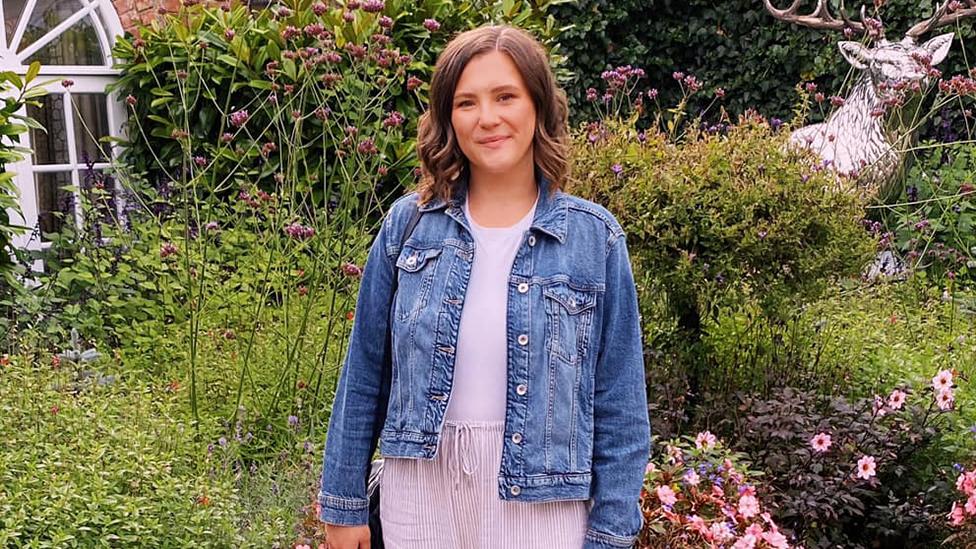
[{"x": 576, "y": 420}]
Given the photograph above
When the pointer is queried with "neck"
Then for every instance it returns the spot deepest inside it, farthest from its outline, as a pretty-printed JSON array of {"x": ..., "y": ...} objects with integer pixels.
[
  {"x": 500, "y": 200},
  {"x": 856, "y": 112}
]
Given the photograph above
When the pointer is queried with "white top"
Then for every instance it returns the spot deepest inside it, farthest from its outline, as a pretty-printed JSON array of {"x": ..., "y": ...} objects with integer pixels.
[{"x": 478, "y": 392}]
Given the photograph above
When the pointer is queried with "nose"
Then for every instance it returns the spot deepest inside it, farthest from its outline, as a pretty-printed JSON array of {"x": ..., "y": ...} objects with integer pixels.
[{"x": 488, "y": 116}]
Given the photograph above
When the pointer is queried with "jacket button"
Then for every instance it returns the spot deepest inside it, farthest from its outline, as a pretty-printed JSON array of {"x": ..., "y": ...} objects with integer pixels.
[
  {"x": 515, "y": 490},
  {"x": 523, "y": 287},
  {"x": 523, "y": 339},
  {"x": 531, "y": 240},
  {"x": 412, "y": 260},
  {"x": 517, "y": 438},
  {"x": 521, "y": 389}
]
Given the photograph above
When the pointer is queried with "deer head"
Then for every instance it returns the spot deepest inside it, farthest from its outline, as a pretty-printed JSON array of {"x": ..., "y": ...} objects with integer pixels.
[{"x": 885, "y": 62}]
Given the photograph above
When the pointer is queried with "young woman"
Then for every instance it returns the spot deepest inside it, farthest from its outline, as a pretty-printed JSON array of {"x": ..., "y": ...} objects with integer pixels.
[{"x": 516, "y": 413}]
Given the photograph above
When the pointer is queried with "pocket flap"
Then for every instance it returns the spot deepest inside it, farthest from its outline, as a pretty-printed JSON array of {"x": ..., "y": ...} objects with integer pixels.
[
  {"x": 575, "y": 301},
  {"x": 413, "y": 259}
]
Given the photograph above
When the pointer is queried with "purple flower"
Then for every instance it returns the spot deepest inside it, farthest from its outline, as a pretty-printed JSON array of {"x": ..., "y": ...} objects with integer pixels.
[
  {"x": 366, "y": 146},
  {"x": 298, "y": 231},
  {"x": 167, "y": 249},
  {"x": 229, "y": 34},
  {"x": 293, "y": 421},
  {"x": 319, "y": 8},
  {"x": 678, "y": 75},
  {"x": 431, "y": 24},
  {"x": 222, "y": 442},
  {"x": 591, "y": 94},
  {"x": 393, "y": 120},
  {"x": 652, "y": 94},
  {"x": 289, "y": 32},
  {"x": 373, "y": 6},
  {"x": 617, "y": 169},
  {"x": 775, "y": 124},
  {"x": 200, "y": 161},
  {"x": 239, "y": 118},
  {"x": 386, "y": 22},
  {"x": 351, "y": 270}
]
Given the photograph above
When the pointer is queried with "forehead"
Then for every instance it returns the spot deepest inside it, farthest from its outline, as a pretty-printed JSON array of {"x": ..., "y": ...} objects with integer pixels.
[
  {"x": 487, "y": 71},
  {"x": 894, "y": 52}
]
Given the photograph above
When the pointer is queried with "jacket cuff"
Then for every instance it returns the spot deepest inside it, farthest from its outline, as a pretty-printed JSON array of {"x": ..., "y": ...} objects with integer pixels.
[
  {"x": 343, "y": 511},
  {"x": 600, "y": 540}
]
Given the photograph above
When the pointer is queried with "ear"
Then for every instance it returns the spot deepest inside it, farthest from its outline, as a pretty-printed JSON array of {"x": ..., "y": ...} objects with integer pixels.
[
  {"x": 938, "y": 47},
  {"x": 855, "y": 53}
]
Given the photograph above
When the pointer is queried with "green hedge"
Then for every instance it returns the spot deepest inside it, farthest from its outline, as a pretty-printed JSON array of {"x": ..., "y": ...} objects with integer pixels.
[{"x": 735, "y": 45}]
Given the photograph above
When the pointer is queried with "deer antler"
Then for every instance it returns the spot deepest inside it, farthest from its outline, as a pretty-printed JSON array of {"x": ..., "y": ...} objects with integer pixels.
[
  {"x": 943, "y": 16},
  {"x": 820, "y": 18}
]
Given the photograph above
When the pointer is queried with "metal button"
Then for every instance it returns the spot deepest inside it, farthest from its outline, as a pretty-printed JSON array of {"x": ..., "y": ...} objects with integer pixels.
[
  {"x": 523, "y": 287},
  {"x": 412, "y": 260},
  {"x": 531, "y": 240},
  {"x": 523, "y": 339},
  {"x": 515, "y": 490},
  {"x": 517, "y": 437},
  {"x": 572, "y": 302},
  {"x": 521, "y": 389}
]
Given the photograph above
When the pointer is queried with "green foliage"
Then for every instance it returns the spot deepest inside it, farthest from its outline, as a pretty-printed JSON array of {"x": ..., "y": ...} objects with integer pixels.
[
  {"x": 185, "y": 76},
  {"x": 933, "y": 227},
  {"x": 16, "y": 93},
  {"x": 735, "y": 45},
  {"x": 723, "y": 219}
]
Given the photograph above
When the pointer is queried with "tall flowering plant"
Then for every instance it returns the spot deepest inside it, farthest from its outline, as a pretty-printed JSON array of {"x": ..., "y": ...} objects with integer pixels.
[{"x": 698, "y": 493}]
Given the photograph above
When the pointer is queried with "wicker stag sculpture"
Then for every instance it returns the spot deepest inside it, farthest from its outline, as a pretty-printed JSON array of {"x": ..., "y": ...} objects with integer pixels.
[{"x": 866, "y": 137}]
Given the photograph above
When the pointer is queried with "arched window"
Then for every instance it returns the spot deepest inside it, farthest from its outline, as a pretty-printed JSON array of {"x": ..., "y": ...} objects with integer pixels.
[{"x": 72, "y": 39}]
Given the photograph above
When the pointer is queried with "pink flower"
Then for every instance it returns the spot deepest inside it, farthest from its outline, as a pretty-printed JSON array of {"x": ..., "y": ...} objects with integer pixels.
[
  {"x": 945, "y": 399},
  {"x": 971, "y": 505},
  {"x": 755, "y": 530},
  {"x": 705, "y": 439},
  {"x": 956, "y": 515},
  {"x": 821, "y": 442},
  {"x": 866, "y": 467},
  {"x": 720, "y": 532},
  {"x": 666, "y": 495},
  {"x": 896, "y": 399},
  {"x": 302, "y": 546},
  {"x": 966, "y": 482},
  {"x": 748, "y": 506},
  {"x": 747, "y": 541},
  {"x": 650, "y": 467},
  {"x": 431, "y": 24},
  {"x": 775, "y": 539},
  {"x": 942, "y": 380},
  {"x": 692, "y": 478}
]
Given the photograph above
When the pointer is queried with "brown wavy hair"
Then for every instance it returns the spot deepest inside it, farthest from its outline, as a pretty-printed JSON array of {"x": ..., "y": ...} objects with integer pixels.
[{"x": 441, "y": 159}]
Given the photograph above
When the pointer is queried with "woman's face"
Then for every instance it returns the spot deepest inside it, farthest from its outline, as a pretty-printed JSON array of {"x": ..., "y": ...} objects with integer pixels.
[{"x": 493, "y": 115}]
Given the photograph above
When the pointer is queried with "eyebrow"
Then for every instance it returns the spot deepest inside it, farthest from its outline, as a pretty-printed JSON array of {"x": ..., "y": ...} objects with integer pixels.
[{"x": 496, "y": 89}]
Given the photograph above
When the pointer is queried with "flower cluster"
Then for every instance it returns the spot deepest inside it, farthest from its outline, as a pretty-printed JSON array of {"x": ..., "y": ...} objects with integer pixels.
[
  {"x": 298, "y": 231},
  {"x": 697, "y": 495}
]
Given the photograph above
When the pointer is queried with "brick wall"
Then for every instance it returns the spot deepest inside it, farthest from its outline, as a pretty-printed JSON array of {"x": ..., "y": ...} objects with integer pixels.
[{"x": 132, "y": 12}]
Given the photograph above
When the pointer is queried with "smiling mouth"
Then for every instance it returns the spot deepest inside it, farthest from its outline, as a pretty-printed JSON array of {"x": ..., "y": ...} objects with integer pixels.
[{"x": 493, "y": 141}]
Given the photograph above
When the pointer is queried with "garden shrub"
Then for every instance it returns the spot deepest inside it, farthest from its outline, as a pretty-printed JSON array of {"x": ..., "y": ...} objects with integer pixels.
[
  {"x": 853, "y": 473},
  {"x": 16, "y": 92},
  {"x": 95, "y": 455},
  {"x": 698, "y": 493},
  {"x": 933, "y": 225}
]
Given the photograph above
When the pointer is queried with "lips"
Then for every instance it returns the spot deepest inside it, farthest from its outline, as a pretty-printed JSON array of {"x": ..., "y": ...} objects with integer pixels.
[{"x": 491, "y": 140}]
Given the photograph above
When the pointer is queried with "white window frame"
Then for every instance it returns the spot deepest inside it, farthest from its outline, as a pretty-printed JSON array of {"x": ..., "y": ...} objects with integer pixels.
[{"x": 87, "y": 79}]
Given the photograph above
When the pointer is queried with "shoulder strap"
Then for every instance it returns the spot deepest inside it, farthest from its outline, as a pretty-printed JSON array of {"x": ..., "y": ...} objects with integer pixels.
[{"x": 410, "y": 226}]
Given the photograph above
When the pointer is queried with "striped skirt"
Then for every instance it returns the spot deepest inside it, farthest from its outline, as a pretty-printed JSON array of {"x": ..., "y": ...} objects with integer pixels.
[{"x": 451, "y": 502}]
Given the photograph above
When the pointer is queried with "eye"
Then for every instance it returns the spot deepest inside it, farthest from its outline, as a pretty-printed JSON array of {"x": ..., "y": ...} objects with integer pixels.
[
  {"x": 506, "y": 96},
  {"x": 463, "y": 103}
]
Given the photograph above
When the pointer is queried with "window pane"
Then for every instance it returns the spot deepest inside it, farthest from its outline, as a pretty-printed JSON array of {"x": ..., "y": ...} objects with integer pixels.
[
  {"x": 11, "y": 14},
  {"x": 55, "y": 204},
  {"x": 78, "y": 45},
  {"x": 50, "y": 147},
  {"x": 91, "y": 124}
]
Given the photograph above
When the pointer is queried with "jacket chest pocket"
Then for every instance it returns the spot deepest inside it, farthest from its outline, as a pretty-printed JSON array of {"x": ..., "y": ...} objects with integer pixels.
[
  {"x": 415, "y": 275},
  {"x": 569, "y": 314}
]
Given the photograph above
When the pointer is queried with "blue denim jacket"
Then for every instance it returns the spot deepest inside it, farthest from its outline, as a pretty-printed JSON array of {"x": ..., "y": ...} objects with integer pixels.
[{"x": 576, "y": 422}]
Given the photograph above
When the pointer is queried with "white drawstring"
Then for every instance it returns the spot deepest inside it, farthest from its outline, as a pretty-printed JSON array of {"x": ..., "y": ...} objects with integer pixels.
[{"x": 462, "y": 456}]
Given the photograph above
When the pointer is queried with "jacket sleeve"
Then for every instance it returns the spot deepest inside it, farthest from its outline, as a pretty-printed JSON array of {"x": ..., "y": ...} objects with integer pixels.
[
  {"x": 621, "y": 444},
  {"x": 359, "y": 404}
]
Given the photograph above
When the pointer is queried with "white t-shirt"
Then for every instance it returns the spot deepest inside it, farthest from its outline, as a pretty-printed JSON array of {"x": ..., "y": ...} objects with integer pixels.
[{"x": 478, "y": 392}]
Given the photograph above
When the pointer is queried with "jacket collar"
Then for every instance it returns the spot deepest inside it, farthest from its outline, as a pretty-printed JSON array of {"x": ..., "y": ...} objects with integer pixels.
[{"x": 550, "y": 212}]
